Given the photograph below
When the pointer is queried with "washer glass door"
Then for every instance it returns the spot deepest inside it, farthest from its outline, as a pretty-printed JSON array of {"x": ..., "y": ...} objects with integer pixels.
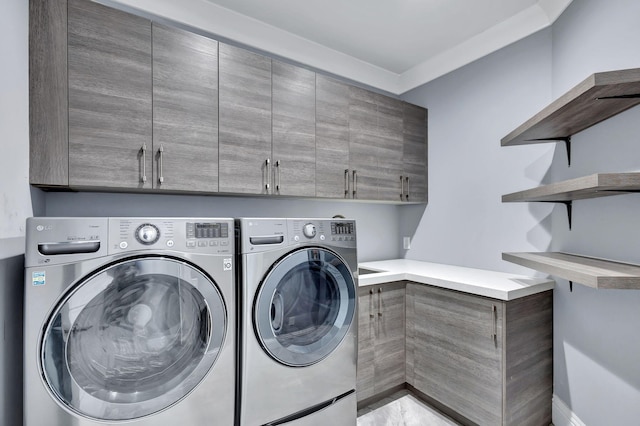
[
  {"x": 133, "y": 339},
  {"x": 305, "y": 306}
]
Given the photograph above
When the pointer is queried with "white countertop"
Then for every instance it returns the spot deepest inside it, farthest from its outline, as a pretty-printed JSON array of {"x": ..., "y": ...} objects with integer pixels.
[{"x": 481, "y": 282}]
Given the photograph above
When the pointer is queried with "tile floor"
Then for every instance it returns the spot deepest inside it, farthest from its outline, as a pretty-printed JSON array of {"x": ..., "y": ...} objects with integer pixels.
[{"x": 402, "y": 409}]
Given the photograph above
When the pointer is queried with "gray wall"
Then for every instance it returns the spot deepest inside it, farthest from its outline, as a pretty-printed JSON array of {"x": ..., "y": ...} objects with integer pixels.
[
  {"x": 15, "y": 201},
  {"x": 596, "y": 338},
  {"x": 469, "y": 111},
  {"x": 597, "y": 342}
]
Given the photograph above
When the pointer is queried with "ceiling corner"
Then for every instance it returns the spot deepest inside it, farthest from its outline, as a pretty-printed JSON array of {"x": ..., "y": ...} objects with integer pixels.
[{"x": 553, "y": 8}]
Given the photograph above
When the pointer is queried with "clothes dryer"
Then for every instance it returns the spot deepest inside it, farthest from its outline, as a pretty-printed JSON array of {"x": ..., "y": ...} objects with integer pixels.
[
  {"x": 298, "y": 325},
  {"x": 129, "y": 320}
]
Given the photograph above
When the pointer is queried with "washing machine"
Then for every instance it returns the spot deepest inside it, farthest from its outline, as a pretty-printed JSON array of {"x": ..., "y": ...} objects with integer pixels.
[
  {"x": 298, "y": 326},
  {"x": 129, "y": 320}
]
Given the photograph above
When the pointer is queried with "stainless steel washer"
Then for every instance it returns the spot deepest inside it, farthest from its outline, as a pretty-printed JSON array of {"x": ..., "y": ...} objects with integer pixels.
[
  {"x": 298, "y": 328},
  {"x": 129, "y": 320}
]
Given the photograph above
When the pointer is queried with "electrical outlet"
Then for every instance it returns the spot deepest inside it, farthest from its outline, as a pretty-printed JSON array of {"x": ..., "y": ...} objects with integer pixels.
[{"x": 406, "y": 242}]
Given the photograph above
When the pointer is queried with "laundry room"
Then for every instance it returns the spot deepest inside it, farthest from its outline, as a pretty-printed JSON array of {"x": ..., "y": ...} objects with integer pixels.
[{"x": 410, "y": 161}]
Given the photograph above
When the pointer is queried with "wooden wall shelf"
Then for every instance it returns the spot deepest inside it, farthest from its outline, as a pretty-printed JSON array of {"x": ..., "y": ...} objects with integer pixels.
[
  {"x": 600, "y": 96},
  {"x": 592, "y": 186},
  {"x": 590, "y": 271}
]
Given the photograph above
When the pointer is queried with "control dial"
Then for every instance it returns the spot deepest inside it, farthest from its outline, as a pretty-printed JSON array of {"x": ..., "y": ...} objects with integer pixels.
[
  {"x": 309, "y": 230},
  {"x": 147, "y": 234}
]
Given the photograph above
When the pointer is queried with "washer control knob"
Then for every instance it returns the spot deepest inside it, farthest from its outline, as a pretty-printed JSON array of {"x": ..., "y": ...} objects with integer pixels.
[
  {"x": 147, "y": 234},
  {"x": 309, "y": 230}
]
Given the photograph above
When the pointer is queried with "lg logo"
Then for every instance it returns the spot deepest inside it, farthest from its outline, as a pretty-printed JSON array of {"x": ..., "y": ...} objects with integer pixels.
[{"x": 40, "y": 228}]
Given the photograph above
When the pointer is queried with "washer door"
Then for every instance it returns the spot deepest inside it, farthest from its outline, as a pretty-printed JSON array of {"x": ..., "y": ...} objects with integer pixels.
[
  {"x": 132, "y": 339},
  {"x": 305, "y": 306}
]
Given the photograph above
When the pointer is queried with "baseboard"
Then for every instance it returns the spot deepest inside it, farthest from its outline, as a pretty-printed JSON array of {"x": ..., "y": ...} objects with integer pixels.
[{"x": 562, "y": 414}]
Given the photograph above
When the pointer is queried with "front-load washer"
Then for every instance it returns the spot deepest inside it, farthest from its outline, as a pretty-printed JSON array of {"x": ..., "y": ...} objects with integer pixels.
[
  {"x": 298, "y": 328},
  {"x": 129, "y": 320}
]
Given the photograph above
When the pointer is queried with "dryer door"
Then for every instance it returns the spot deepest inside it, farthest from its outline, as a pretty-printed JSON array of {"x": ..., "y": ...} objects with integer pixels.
[
  {"x": 132, "y": 339},
  {"x": 305, "y": 306}
]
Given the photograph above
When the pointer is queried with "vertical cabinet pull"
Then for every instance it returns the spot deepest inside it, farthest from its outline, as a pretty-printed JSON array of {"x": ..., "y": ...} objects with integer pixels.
[
  {"x": 346, "y": 185},
  {"x": 407, "y": 193},
  {"x": 401, "y": 187},
  {"x": 379, "y": 302},
  {"x": 494, "y": 318},
  {"x": 277, "y": 175},
  {"x": 371, "y": 303},
  {"x": 143, "y": 156},
  {"x": 160, "y": 155},
  {"x": 267, "y": 185},
  {"x": 355, "y": 184}
]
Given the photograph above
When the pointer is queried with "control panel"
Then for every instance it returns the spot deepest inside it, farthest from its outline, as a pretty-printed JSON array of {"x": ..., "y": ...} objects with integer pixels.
[
  {"x": 322, "y": 231},
  {"x": 208, "y": 236}
]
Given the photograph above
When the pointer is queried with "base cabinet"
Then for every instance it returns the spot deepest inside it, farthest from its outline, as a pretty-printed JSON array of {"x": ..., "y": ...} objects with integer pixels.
[
  {"x": 487, "y": 361},
  {"x": 381, "y": 339}
]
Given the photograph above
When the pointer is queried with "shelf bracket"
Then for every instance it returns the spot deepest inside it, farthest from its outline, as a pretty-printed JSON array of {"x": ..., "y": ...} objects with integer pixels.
[
  {"x": 565, "y": 139},
  {"x": 567, "y": 204}
]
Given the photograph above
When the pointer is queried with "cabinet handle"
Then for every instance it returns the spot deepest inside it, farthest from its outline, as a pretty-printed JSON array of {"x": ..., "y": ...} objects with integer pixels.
[
  {"x": 355, "y": 184},
  {"x": 401, "y": 187},
  {"x": 267, "y": 163},
  {"x": 346, "y": 186},
  {"x": 494, "y": 315},
  {"x": 379, "y": 302},
  {"x": 371, "y": 304},
  {"x": 143, "y": 177},
  {"x": 407, "y": 193},
  {"x": 278, "y": 175},
  {"x": 160, "y": 155}
]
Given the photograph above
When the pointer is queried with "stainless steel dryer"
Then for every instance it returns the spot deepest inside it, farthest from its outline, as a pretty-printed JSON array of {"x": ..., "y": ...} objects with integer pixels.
[
  {"x": 298, "y": 326},
  {"x": 129, "y": 320}
]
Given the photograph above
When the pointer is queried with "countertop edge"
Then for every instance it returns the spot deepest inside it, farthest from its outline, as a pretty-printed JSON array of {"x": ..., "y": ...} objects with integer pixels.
[{"x": 538, "y": 285}]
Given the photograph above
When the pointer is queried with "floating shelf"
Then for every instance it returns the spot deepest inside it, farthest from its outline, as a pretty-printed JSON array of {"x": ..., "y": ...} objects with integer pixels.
[
  {"x": 590, "y": 271},
  {"x": 592, "y": 186},
  {"x": 600, "y": 96}
]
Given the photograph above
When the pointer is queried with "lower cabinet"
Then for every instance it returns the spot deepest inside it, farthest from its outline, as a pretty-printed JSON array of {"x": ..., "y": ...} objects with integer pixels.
[
  {"x": 381, "y": 338},
  {"x": 486, "y": 360}
]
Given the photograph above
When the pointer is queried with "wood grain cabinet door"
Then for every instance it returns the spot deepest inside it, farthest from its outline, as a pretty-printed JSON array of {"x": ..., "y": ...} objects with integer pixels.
[
  {"x": 366, "y": 341},
  {"x": 109, "y": 66},
  {"x": 457, "y": 347},
  {"x": 294, "y": 130},
  {"x": 414, "y": 153},
  {"x": 244, "y": 122},
  {"x": 185, "y": 110},
  {"x": 389, "y": 357},
  {"x": 364, "y": 143},
  {"x": 390, "y": 138},
  {"x": 332, "y": 138}
]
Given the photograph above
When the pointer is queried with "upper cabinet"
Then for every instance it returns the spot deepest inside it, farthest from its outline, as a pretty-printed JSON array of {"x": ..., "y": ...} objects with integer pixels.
[
  {"x": 110, "y": 121},
  {"x": 120, "y": 102},
  {"x": 185, "y": 110},
  {"x": 245, "y": 122},
  {"x": 294, "y": 130},
  {"x": 364, "y": 144},
  {"x": 414, "y": 155},
  {"x": 332, "y": 138}
]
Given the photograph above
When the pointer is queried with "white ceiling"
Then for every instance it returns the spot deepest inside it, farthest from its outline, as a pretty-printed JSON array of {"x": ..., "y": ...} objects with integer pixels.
[{"x": 392, "y": 45}]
